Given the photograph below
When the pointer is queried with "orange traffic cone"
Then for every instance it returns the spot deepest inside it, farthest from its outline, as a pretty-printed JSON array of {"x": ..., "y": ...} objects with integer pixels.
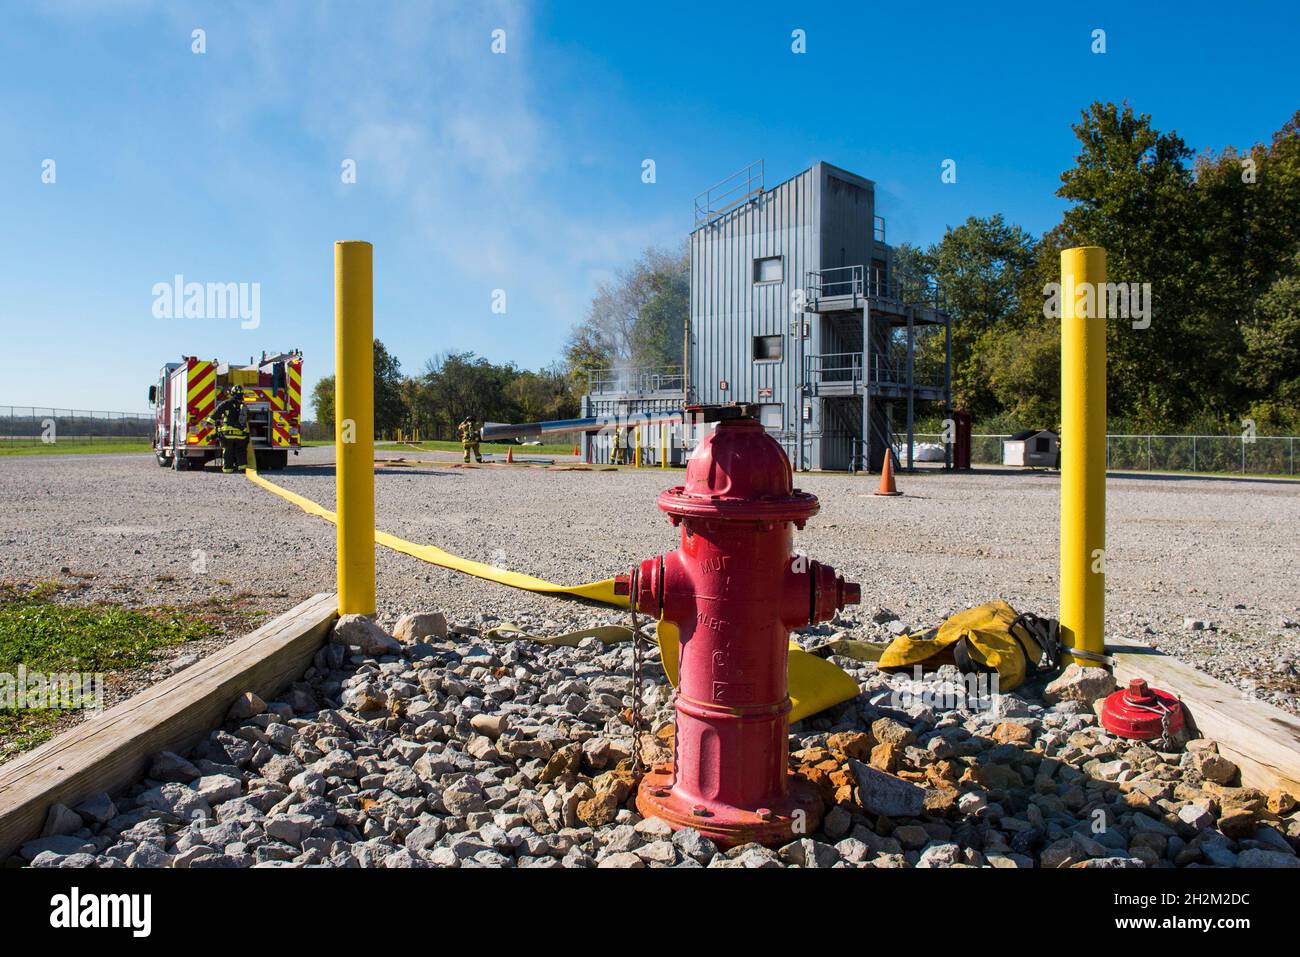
[
  {"x": 576, "y": 450},
  {"x": 887, "y": 486},
  {"x": 510, "y": 456}
]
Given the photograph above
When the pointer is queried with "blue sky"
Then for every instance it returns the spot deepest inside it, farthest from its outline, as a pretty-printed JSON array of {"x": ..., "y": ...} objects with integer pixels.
[{"x": 521, "y": 171}]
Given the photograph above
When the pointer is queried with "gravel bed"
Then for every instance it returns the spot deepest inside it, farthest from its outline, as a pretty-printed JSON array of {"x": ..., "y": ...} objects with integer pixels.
[{"x": 444, "y": 750}]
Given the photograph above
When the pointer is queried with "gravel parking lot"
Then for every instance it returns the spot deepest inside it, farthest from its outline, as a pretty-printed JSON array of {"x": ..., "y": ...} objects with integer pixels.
[{"x": 1220, "y": 551}]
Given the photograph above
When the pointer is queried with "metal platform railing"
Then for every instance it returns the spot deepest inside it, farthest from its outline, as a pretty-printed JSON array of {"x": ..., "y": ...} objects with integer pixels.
[
  {"x": 635, "y": 381},
  {"x": 833, "y": 367},
  {"x": 835, "y": 281},
  {"x": 893, "y": 371},
  {"x": 838, "y": 367},
  {"x": 855, "y": 281},
  {"x": 725, "y": 195}
]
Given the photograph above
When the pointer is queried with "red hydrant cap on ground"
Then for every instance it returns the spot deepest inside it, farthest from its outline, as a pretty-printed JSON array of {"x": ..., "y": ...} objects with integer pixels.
[
  {"x": 739, "y": 472},
  {"x": 1139, "y": 712}
]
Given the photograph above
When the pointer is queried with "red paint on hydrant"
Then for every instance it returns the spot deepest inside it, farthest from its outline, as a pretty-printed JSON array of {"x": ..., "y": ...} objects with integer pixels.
[
  {"x": 735, "y": 589},
  {"x": 1140, "y": 712}
]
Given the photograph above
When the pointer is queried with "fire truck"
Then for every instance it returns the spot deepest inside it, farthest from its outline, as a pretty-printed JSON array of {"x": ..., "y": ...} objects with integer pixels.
[{"x": 187, "y": 393}]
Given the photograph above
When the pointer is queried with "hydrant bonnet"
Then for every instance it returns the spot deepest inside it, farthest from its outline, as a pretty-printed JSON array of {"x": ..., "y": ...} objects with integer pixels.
[{"x": 746, "y": 476}]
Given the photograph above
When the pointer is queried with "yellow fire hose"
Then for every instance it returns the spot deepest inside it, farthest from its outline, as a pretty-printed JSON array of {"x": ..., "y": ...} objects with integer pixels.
[{"x": 815, "y": 683}]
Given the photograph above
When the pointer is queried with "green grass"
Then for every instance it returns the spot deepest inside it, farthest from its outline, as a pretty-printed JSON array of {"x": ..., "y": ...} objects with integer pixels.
[
  {"x": 52, "y": 637},
  {"x": 45, "y": 636},
  {"x": 26, "y": 729},
  {"x": 75, "y": 448}
]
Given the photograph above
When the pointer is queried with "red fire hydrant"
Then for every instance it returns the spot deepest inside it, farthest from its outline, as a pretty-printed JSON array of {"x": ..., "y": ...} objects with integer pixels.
[{"x": 735, "y": 589}]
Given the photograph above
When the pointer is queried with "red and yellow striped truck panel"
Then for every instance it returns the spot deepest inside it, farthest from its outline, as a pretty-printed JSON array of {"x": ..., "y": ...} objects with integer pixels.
[
  {"x": 201, "y": 399},
  {"x": 280, "y": 437},
  {"x": 202, "y": 394},
  {"x": 295, "y": 401}
]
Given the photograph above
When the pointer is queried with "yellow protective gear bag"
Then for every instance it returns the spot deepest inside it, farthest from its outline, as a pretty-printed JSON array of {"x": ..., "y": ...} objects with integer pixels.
[{"x": 988, "y": 637}]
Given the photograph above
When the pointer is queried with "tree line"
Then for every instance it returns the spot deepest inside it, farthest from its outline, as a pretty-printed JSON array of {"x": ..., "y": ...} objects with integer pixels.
[
  {"x": 1214, "y": 236},
  {"x": 636, "y": 320},
  {"x": 452, "y": 386}
]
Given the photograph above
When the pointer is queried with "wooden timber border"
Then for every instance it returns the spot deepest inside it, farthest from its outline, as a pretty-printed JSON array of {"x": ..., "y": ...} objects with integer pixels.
[{"x": 111, "y": 751}]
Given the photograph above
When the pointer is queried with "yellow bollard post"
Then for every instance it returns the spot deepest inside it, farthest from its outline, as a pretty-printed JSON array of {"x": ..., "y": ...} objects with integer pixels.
[
  {"x": 1083, "y": 453},
  {"x": 636, "y": 455},
  {"x": 663, "y": 444},
  {"x": 354, "y": 428}
]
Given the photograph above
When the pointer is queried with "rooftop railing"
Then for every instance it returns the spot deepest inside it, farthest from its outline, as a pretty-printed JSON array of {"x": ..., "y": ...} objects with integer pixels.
[{"x": 725, "y": 195}]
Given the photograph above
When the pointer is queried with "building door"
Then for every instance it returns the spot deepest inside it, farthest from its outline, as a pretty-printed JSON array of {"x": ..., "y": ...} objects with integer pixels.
[{"x": 841, "y": 434}]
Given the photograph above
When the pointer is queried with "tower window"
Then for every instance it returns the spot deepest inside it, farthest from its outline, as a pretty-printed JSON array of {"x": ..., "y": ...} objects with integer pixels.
[
  {"x": 768, "y": 348},
  {"x": 769, "y": 269}
]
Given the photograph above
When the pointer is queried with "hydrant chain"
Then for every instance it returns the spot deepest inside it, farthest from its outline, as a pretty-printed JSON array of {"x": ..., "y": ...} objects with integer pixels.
[{"x": 636, "y": 683}]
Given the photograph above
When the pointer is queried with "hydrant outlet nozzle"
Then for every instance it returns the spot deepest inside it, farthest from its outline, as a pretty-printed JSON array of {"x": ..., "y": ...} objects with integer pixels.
[
  {"x": 850, "y": 593},
  {"x": 830, "y": 593}
]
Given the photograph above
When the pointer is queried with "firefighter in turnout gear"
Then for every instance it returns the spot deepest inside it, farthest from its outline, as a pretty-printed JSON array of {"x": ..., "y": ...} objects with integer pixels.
[
  {"x": 616, "y": 450},
  {"x": 231, "y": 421},
  {"x": 470, "y": 438}
]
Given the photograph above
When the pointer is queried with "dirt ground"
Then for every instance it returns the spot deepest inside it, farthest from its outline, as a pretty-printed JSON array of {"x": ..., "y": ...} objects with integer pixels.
[{"x": 1217, "y": 550}]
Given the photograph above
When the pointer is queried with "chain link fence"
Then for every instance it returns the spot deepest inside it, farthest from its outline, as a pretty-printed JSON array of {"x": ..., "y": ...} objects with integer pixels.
[
  {"x": 31, "y": 425},
  {"x": 1245, "y": 455}
]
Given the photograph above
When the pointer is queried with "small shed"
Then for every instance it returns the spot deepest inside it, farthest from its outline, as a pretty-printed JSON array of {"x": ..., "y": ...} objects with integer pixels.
[{"x": 1032, "y": 448}]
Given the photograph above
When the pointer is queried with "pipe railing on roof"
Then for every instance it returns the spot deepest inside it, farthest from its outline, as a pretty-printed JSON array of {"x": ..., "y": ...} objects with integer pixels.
[{"x": 728, "y": 193}]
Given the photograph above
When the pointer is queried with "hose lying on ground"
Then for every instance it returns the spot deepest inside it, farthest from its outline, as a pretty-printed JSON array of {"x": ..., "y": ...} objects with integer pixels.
[{"x": 815, "y": 683}]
